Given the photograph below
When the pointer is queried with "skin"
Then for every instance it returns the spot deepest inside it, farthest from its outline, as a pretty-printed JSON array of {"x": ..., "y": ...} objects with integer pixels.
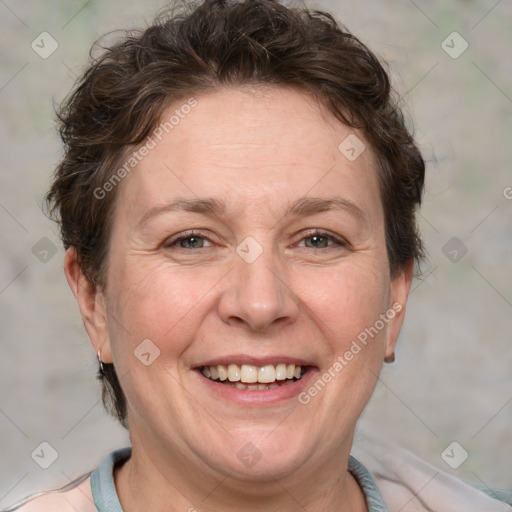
[{"x": 258, "y": 150}]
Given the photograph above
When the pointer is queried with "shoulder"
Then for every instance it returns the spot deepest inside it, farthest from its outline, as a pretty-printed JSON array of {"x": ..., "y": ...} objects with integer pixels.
[
  {"x": 76, "y": 499},
  {"x": 404, "y": 478},
  {"x": 81, "y": 495}
]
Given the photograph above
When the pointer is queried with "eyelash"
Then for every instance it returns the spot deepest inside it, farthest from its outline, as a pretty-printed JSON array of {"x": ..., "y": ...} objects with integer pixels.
[{"x": 337, "y": 241}]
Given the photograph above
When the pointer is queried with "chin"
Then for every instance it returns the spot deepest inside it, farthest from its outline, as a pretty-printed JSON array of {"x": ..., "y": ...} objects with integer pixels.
[{"x": 263, "y": 457}]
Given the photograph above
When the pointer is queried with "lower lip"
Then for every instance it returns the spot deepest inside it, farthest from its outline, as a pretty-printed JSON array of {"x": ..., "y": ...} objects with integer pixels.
[{"x": 258, "y": 396}]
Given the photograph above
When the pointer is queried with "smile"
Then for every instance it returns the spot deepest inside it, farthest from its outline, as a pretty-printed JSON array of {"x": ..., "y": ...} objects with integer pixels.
[{"x": 252, "y": 377}]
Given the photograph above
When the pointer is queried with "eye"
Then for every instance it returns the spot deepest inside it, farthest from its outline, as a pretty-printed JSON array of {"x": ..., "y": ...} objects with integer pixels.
[
  {"x": 314, "y": 240},
  {"x": 321, "y": 240},
  {"x": 192, "y": 240}
]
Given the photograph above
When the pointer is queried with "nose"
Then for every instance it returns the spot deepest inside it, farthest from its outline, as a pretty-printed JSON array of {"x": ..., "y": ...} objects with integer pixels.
[{"x": 257, "y": 295}]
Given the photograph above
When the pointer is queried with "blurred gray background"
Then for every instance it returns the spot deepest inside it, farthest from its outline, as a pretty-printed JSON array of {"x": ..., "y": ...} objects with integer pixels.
[{"x": 452, "y": 380}]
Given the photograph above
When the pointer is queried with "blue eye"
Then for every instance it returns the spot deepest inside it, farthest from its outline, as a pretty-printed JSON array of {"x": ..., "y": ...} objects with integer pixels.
[
  {"x": 195, "y": 242},
  {"x": 190, "y": 241},
  {"x": 320, "y": 240}
]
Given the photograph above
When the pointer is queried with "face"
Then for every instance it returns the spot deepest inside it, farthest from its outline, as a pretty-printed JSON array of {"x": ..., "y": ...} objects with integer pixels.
[{"x": 243, "y": 244}]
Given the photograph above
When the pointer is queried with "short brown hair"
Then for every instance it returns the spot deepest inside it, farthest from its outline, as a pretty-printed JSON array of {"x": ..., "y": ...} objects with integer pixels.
[{"x": 119, "y": 100}]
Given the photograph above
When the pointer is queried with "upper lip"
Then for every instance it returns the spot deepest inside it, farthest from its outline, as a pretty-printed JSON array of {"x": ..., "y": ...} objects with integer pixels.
[{"x": 254, "y": 361}]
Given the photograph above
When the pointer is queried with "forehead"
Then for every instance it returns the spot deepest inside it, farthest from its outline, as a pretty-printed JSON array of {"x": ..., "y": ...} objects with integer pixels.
[
  {"x": 263, "y": 124},
  {"x": 254, "y": 143}
]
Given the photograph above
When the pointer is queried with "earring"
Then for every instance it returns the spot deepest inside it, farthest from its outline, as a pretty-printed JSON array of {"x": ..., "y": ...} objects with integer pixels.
[
  {"x": 390, "y": 359},
  {"x": 102, "y": 368}
]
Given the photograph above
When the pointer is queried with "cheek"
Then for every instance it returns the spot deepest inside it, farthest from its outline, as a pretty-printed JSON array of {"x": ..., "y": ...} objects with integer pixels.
[
  {"x": 153, "y": 300},
  {"x": 347, "y": 311},
  {"x": 347, "y": 301}
]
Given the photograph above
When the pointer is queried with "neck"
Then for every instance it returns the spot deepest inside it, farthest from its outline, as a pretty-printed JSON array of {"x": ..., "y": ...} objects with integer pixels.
[{"x": 151, "y": 481}]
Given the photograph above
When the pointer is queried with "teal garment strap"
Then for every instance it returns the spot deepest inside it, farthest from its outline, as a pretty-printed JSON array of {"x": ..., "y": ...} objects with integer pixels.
[
  {"x": 106, "y": 498},
  {"x": 504, "y": 495},
  {"x": 374, "y": 498},
  {"x": 102, "y": 482}
]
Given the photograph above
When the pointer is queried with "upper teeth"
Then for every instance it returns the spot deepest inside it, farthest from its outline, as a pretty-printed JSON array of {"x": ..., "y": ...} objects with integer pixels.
[{"x": 248, "y": 373}]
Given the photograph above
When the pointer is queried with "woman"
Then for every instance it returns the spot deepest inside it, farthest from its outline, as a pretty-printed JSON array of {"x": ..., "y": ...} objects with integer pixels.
[{"x": 237, "y": 199}]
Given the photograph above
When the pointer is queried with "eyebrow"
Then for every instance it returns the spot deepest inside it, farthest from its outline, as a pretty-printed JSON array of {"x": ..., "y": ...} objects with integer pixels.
[
  {"x": 302, "y": 207},
  {"x": 206, "y": 205}
]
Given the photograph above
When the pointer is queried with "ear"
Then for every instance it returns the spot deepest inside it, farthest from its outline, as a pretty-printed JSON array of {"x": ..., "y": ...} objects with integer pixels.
[
  {"x": 91, "y": 302},
  {"x": 400, "y": 287}
]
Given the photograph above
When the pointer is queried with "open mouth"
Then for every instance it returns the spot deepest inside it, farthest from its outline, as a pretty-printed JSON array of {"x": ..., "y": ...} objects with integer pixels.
[{"x": 251, "y": 377}]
